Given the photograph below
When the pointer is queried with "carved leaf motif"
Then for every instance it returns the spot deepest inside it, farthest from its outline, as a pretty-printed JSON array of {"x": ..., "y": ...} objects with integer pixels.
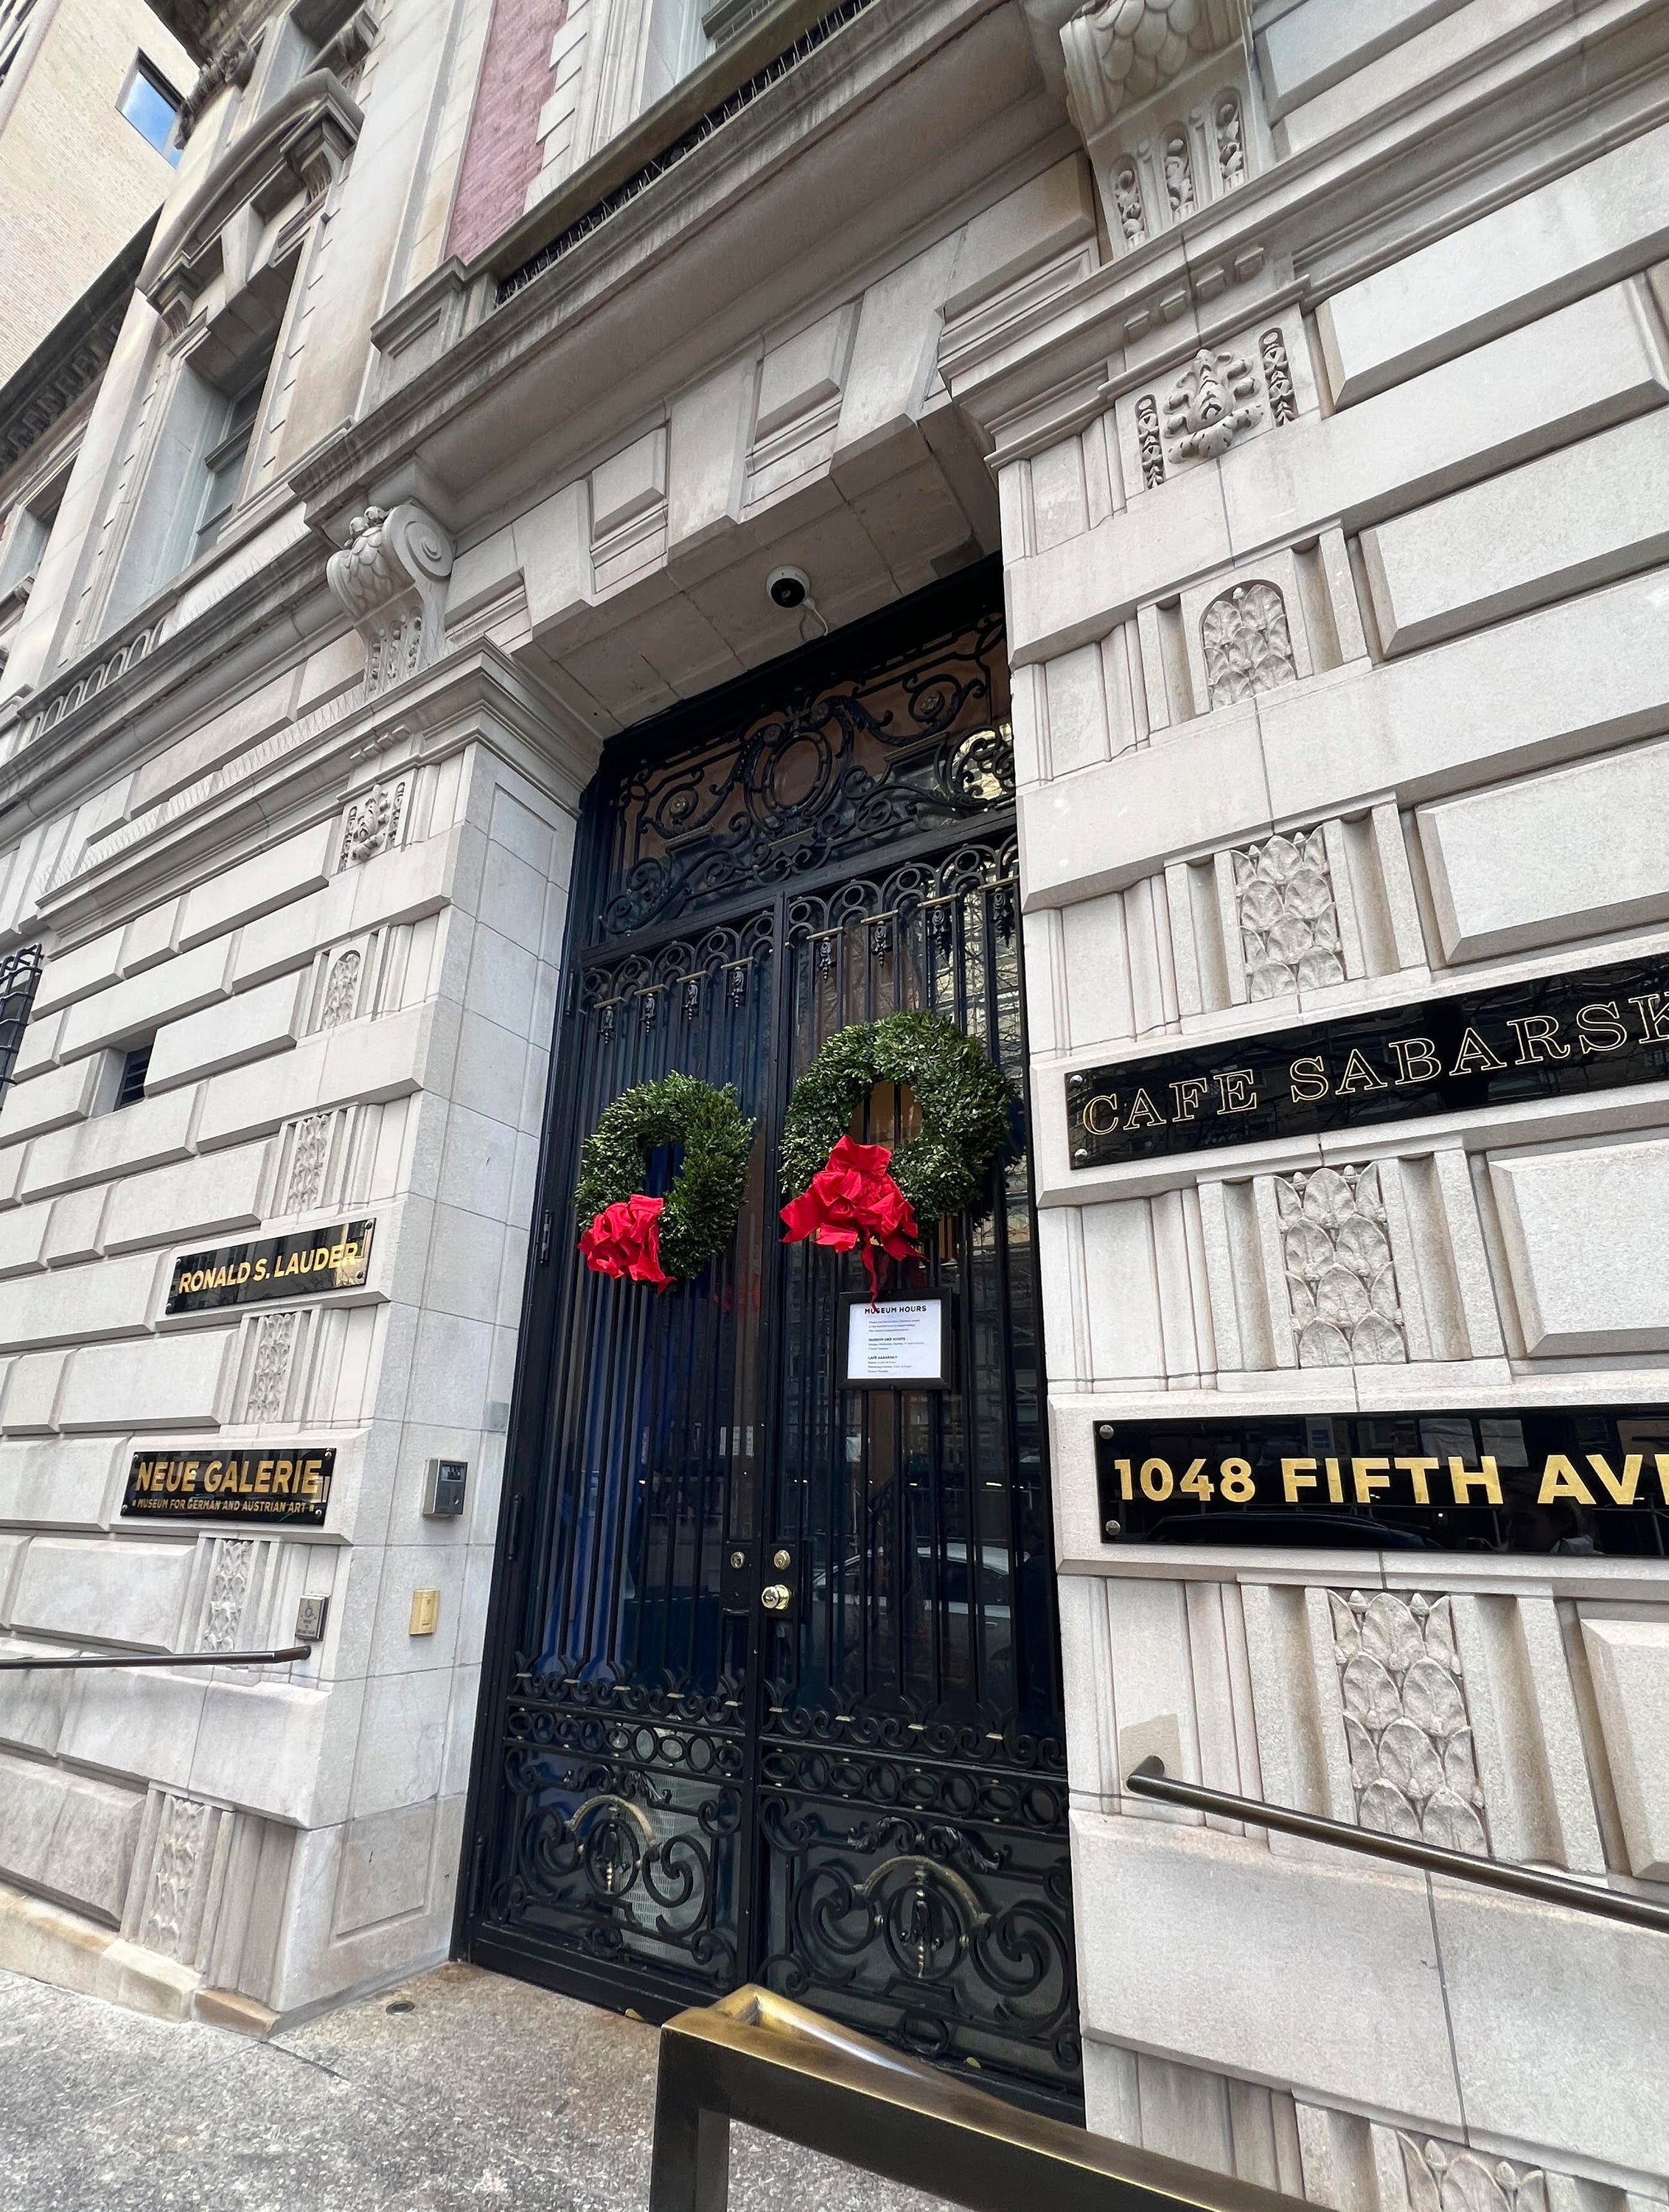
[
  {"x": 1341, "y": 1296},
  {"x": 1461, "y": 1766},
  {"x": 1370, "y": 1693},
  {"x": 1449, "y": 1821},
  {"x": 1421, "y": 2182},
  {"x": 1431, "y": 1699},
  {"x": 1321, "y": 1344},
  {"x": 1377, "y": 1342},
  {"x": 1407, "y": 1758},
  {"x": 1364, "y": 1758},
  {"x": 1346, "y": 1626},
  {"x": 1382, "y": 1807},
  {"x": 1439, "y": 1631},
  {"x": 1389, "y": 1633}
]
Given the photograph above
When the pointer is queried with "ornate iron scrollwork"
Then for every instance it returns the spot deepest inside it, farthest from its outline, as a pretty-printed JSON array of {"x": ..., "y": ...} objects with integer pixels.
[{"x": 823, "y": 773}]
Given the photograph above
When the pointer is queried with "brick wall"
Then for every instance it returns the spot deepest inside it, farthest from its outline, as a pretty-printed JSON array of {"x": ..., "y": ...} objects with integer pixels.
[{"x": 502, "y": 156}]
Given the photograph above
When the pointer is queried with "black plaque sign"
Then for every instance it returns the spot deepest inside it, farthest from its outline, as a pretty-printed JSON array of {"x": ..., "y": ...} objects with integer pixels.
[
  {"x": 1578, "y": 1480},
  {"x": 300, "y": 1265},
  {"x": 288, "y": 1483},
  {"x": 1598, "y": 1029}
]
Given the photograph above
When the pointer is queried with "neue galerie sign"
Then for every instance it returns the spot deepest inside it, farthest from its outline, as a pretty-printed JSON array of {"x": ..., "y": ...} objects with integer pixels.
[
  {"x": 274, "y": 1267},
  {"x": 1576, "y": 1479},
  {"x": 267, "y": 1482},
  {"x": 1598, "y": 1029}
]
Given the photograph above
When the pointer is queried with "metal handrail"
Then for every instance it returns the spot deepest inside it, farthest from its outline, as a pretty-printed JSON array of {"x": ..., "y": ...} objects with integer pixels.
[
  {"x": 770, "y": 2063},
  {"x": 167, "y": 1659},
  {"x": 1149, "y": 1779}
]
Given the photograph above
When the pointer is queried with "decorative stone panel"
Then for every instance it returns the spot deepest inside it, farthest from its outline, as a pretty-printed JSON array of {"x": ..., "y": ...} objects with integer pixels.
[
  {"x": 1288, "y": 922},
  {"x": 1246, "y": 644},
  {"x": 1341, "y": 1280},
  {"x": 391, "y": 578},
  {"x": 1412, "y": 1765}
]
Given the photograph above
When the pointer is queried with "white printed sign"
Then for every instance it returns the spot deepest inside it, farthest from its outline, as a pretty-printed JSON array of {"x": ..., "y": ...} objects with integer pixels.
[{"x": 899, "y": 1340}]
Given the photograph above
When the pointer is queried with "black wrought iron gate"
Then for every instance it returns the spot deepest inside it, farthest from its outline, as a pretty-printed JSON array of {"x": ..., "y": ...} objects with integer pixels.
[{"x": 862, "y": 1800}]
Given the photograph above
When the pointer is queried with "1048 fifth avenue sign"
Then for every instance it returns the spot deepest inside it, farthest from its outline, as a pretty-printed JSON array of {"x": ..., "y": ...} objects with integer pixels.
[
  {"x": 312, "y": 1261},
  {"x": 1598, "y": 1029}
]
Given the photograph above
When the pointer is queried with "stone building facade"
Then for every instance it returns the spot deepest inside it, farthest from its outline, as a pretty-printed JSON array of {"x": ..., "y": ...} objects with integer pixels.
[{"x": 1301, "y": 361}]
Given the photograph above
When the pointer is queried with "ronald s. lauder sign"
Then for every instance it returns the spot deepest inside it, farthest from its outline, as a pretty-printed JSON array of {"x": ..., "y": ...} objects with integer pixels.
[
  {"x": 302, "y": 1266},
  {"x": 267, "y": 1482},
  {"x": 1553, "y": 1037}
]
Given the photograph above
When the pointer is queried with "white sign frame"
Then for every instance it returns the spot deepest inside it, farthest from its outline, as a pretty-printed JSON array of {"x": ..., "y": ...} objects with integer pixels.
[{"x": 924, "y": 1349}]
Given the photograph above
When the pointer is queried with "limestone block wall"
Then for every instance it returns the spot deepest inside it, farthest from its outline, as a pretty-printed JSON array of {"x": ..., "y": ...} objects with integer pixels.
[
  {"x": 341, "y": 948},
  {"x": 1334, "y": 588}
]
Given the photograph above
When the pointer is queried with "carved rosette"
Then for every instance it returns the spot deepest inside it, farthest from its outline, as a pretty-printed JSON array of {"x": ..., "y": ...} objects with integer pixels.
[
  {"x": 1412, "y": 1765},
  {"x": 1341, "y": 1281},
  {"x": 1288, "y": 919},
  {"x": 391, "y": 578}
]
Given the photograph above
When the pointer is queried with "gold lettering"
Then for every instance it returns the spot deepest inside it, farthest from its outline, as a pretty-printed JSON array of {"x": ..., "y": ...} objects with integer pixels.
[
  {"x": 1367, "y": 1482},
  {"x": 281, "y": 1470},
  {"x": 1560, "y": 1479},
  {"x": 1474, "y": 1057},
  {"x": 264, "y": 1479},
  {"x": 1622, "y": 1488},
  {"x": 1417, "y": 1059},
  {"x": 1187, "y": 1095},
  {"x": 1335, "y": 1483},
  {"x": 1462, "y": 1483},
  {"x": 313, "y": 1483},
  {"x": 1237, "y": 1091},
  {"x": 1417, "y": 1470},
  {"x": 1110, "y": 1100},
  {"x": 189, "y": 1484},
  {"x": 1359, "y": 1075},
  {"x": 1293, "y": 1479},
  {"x": 1142, "y": 1114},
  {"x": 1307, "y": 1076},
  {"x": 1599, "y": 1029},
  {"x": 1536, "y": 1034},
  {"x": 1653, "y": 1016},
  {"x": 261, "y": 1270}
]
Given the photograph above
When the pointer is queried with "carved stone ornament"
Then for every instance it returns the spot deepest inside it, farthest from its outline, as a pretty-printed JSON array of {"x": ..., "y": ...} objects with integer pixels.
[
  {"x": 392, "y": 578},
  {"x": 1127, "y": 195},
  {"x": 1442, "y": 2177},
  {"x": 1277, "y": 377},
  {"x": 1209, "y": 405},
  {"x": 1288, "y": 920},
  {"x": 342, "y": 991},
  {"x": 1412, "y": 1764},
  {"x": 1230, "y": 142},
  {"x": 307, "y": 1161},
  {"x": 181, "y": 1833},
  {"x": 228, "y": 1588},
  {"x": 1246, "y": 644},
  {"x": 1341, "y": 1283},
  {"x": 232, "y": 62},
  {"x": 274, "y": 1346},
  {"x": 371, "y": 824},
  {"x": 1119, "y": 52},
  {"x": 1149, "y": 443}
]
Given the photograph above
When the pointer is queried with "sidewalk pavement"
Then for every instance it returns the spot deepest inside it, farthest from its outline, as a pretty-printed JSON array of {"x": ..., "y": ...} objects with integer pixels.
[{"x": 462, "y": 2092}]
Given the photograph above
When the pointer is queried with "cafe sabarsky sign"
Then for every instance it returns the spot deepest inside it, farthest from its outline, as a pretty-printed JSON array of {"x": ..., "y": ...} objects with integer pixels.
[{"x": 1552, "y": 1037}]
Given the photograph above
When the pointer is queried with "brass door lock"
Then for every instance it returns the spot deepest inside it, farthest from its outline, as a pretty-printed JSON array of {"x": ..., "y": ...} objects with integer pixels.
[
  {"x": 776, "y": 1597},
  {"x": 781, "y": 1559}
]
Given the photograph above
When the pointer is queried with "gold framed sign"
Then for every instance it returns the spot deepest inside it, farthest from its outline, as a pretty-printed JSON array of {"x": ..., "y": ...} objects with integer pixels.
[
  {"x": 295, "y": 1267},
  {"x": 286, "y": 1483}
]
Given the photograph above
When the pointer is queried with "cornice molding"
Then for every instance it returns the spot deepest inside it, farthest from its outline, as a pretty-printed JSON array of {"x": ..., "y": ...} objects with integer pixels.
[{"x": 72, "y": 357}]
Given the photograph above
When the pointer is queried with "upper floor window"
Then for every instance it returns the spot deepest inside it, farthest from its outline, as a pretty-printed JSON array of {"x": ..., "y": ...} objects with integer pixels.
[
  {"x": 152, "y": 106},
  {"x": 223, "y": 464}
]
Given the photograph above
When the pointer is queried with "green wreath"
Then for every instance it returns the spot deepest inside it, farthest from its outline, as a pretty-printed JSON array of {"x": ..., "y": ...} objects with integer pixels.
[
  {"x": 699, "y": 1214},
  {"x": 965, "y": 1101}
]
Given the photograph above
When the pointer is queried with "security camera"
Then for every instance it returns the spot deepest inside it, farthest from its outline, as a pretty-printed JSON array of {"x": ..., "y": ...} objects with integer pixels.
[{"x": 788, "y": 589}]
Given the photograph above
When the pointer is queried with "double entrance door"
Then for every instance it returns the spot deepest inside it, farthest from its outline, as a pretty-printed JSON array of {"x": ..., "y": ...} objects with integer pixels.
[{"x": 773, "y": 1690}]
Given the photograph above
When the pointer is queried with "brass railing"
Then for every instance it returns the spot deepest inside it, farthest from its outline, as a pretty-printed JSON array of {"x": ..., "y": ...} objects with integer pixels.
[
  {"x": 163, "y": 1659},
  {"x": 1149, "y": 1779},
  {"x": 772, "y": 2064}
]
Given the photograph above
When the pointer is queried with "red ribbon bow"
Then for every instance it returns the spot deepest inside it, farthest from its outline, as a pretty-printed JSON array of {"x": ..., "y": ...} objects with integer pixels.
[
  {"x": 853, "y": 1201},
  {"x": 624, "y": 1239}
]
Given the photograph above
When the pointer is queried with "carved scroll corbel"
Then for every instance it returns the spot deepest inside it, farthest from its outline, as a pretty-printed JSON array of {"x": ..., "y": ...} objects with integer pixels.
[{"x": 392, "y": 578}]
